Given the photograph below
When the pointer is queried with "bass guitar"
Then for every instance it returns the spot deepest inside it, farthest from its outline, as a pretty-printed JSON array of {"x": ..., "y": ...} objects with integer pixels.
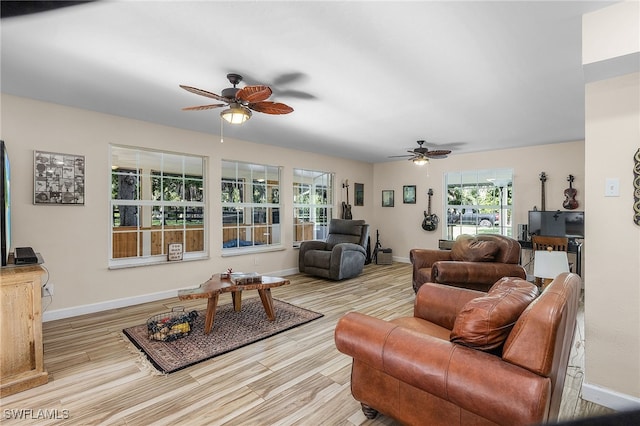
[
  {"x": 543, "y": 179},
  {"x": 346, "y": 207},
  {"x": 430, "y": 222}
]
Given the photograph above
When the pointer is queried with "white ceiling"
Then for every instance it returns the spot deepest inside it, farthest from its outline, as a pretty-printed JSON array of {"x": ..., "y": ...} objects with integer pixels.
[{"x": 366, "y": 79}]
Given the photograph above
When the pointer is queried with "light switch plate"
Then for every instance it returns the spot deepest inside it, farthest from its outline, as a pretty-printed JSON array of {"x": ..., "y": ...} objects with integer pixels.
[{"x": 612, "y": 187}]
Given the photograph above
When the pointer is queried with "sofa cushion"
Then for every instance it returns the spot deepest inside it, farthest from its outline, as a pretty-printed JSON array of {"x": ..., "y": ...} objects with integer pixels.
[
  {"x": 468, "y": 248},
  {"x": 485, "y": 322}
]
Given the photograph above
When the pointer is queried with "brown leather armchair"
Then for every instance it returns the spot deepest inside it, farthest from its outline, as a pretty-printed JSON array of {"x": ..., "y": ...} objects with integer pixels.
[
  {"x": 474, "y": 261},
  {"x": 411, "y": 370}
]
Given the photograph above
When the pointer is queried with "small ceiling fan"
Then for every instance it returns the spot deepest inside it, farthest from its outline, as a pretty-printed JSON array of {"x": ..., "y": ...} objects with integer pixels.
[
  {"x": 421, "y": 155},
  {"x": 240, "y": 101}
]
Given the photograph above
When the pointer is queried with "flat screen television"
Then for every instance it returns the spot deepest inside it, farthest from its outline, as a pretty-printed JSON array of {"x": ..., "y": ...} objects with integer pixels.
[
  {"x": 558, "y": 223},
  {"x": 5, "y": 202}
]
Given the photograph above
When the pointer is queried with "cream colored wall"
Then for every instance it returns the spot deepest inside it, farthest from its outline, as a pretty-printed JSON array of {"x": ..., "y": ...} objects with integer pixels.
[
  {"x": 74, "y": 240},
  {"x": 400, "y": 226},
  {"x": 612, "y": 137},
  {"x": 612, "y": 301}
]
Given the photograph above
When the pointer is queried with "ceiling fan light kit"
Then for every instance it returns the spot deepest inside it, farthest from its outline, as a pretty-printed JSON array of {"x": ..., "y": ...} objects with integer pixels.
[
  {"x": 240, "y": 101},
  {"x": 236, "y": 114},
  {"x": 420, "y": 161}
]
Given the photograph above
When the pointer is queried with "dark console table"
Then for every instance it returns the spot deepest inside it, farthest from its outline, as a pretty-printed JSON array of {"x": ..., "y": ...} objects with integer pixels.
[{"x": 574, "y": 247}]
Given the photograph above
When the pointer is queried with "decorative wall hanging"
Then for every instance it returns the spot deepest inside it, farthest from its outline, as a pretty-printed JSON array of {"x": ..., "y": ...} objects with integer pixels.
[
  {"x": 58, "y": 178},
  {"x": 387, "y": 198},
  {"x": 636, "y": 188},
  {"x": 409, "y": 194},
  {"x": 358, "y": 194}
]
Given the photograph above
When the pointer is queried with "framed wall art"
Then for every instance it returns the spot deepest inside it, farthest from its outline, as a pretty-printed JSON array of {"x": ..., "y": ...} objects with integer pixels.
[
  {"x": 387, "y": 198},
  {"x": 358, "y": 199},
  {"x": 409, "y": 194},
  {"x": 58, "y": 179}
]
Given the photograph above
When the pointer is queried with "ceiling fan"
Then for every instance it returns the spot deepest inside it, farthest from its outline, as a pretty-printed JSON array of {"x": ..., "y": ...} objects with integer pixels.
[
  {"x": 421, "y": 155},
  {"x": 240, "y": 101}
]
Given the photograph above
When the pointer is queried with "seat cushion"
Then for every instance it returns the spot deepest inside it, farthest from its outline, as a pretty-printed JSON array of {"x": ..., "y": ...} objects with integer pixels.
[
  {"x": 485, "y": 322},
  {"x": 468, "y": 248}
]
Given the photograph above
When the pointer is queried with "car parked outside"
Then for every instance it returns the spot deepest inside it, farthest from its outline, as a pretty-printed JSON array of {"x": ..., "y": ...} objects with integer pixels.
[{"x": 472, "y": 217}]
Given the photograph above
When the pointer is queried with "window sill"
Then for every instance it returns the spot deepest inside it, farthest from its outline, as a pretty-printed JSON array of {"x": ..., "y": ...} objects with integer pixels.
[
  {"x": 250, "y": 250},
  {"x": 153, "y": 260}
]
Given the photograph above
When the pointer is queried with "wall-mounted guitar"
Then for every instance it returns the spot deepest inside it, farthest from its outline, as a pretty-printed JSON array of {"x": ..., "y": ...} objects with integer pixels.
[
  {"x": 570, "y": 202},
  {"x": 430, "y": 222},
  {"x": 543, "y": 179},
  {"x": 346, "y": 207}
]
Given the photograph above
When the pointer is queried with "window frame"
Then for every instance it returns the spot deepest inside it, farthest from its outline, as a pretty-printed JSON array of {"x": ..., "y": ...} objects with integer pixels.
[
  {"x": 257, "y": 203},
  {"x": 312, "y": 179},
  {"x": 488, "y": 184},
  {"x": 149, "y": 168}
]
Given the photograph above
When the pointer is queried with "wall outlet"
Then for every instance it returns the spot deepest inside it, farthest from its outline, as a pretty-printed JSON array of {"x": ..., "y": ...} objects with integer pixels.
[{"x": 47, "y": 290}]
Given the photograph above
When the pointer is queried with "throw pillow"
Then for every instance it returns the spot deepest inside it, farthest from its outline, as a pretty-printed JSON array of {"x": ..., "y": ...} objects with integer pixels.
[
  {"x": 468, "y": 248},
  {"x": 485, "y": 322}
]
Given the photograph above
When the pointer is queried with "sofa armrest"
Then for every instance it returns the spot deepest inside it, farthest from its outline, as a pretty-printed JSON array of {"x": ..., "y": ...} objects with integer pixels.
[
  {"x": 502, "y": 392},
  {"x": 488, "y": 273},
  {"x": 425, "y": 258},
  {"x": 440, "y": 304},
  {"x": 305, "y": 246}
]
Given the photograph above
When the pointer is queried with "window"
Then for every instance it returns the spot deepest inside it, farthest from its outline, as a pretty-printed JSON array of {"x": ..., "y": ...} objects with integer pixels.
[
  {"x": 157, "y": 199},
  {"x": 312, "y": 204},
  {"x": 478, "y": 202},
  {"x": 250, "y": 207}
]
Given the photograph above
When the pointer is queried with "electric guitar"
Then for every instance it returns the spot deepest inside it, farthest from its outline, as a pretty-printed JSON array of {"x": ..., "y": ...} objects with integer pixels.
[
  {"x": 430, "y": 222},
  {"x": 346, "y": 207}
]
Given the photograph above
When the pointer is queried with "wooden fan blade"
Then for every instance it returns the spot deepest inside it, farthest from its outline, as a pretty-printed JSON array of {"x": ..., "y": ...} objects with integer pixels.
[
  {"x": 438, "y": 153},
  {"x": 205, "y": 93},
  {"x": 203, "y": 107},
  {"x": 271, "y": 107},
  {"x": 398, "y": 156},
  {"x": 253, "y": 94}
]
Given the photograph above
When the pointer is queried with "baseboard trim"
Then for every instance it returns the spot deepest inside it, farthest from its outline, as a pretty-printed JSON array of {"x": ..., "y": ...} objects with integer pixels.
[
  {"x": 129, "y": 301},
  {"x": 105, "y": 306},
  {"x": 609, "y": 398}
]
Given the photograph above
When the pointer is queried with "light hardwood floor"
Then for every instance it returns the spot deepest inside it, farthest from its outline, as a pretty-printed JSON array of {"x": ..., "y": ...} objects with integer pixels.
[{"x": 295, "y": 378}]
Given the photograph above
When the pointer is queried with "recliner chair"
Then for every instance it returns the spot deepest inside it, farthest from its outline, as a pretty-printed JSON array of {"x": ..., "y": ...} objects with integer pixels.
[{"x": 341, "y": 256}]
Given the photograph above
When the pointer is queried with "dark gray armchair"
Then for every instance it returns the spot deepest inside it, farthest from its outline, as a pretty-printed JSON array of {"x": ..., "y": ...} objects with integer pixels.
[{"x": 341, "y": 256}]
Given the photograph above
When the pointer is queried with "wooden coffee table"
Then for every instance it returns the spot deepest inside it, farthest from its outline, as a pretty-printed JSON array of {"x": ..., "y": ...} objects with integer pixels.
[{"x": 216, "y": 285}]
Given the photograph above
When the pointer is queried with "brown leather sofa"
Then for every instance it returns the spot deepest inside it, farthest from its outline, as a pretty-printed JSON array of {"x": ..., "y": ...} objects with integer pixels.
[
  {"x": 474, "y": 261},
  {"x": 411, "y": 370}
]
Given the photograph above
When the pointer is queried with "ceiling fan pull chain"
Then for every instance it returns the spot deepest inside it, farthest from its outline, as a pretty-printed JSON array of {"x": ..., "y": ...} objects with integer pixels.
[{"x": 221, "y": 131}]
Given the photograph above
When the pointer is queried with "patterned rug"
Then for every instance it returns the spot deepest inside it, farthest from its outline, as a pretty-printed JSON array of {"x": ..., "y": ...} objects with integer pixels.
[{"x": 231, "y": 330}]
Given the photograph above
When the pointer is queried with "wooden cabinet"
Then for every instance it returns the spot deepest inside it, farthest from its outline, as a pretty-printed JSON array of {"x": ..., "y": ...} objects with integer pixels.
[{"x": 22, "y": 360}]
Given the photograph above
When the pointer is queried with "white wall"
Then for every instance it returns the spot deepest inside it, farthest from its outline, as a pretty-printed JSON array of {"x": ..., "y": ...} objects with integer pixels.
[{"x": 74, "y": 240}]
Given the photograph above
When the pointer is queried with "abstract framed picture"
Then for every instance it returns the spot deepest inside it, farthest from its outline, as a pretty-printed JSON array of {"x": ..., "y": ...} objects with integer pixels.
[
  {"x": 387, "y": 198},
  {"x": 58, "y": 179},
  {"x": 358, "y": 199},
  {"x": 409, "y": 194}
]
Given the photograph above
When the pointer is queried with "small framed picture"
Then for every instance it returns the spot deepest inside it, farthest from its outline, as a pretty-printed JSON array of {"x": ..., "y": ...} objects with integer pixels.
[
  {"x": 174, "y": 252},
  {"x": 387, "y": 198},
  {"x": 409, "y": 194}
]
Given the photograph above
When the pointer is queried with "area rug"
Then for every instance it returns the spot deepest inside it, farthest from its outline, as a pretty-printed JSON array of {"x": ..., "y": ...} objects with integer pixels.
[{"x": 231, "y": 330}]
